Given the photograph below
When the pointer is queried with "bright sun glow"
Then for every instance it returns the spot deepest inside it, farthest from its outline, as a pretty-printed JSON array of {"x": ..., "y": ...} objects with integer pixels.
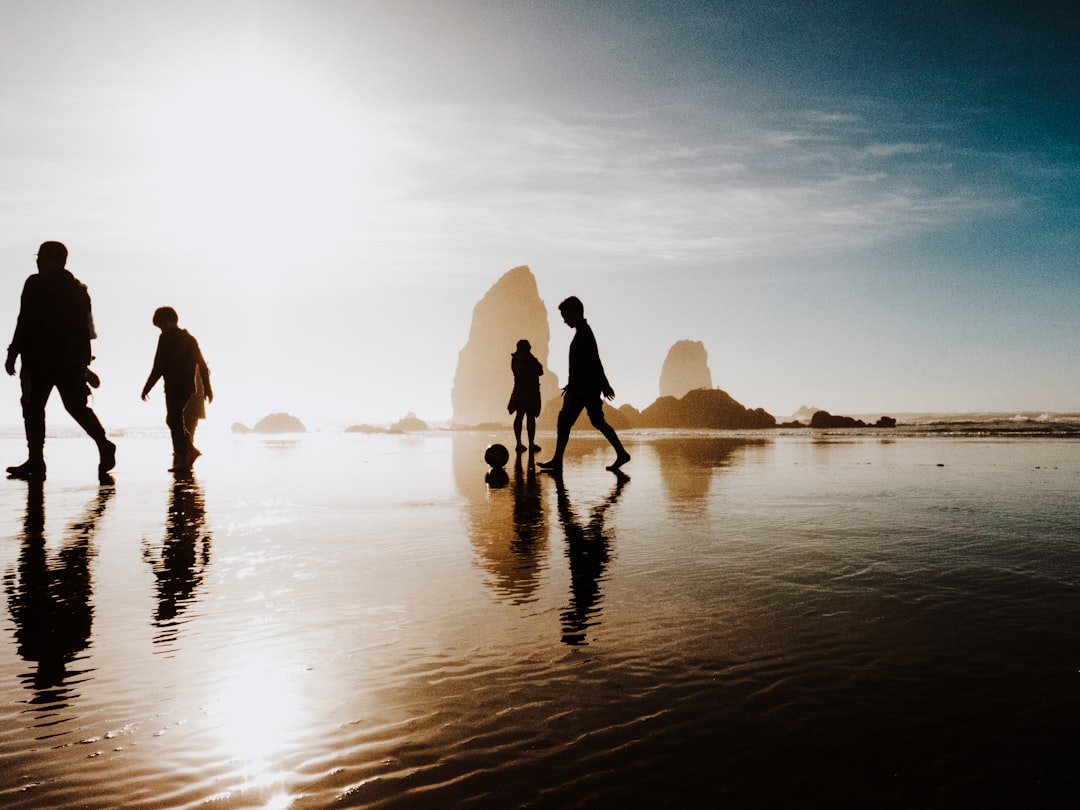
[{"x": 253, "y": 153}]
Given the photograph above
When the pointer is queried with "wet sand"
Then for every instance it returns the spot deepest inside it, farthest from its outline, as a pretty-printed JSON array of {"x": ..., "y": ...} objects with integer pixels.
[{"x": 365, "y": 621}]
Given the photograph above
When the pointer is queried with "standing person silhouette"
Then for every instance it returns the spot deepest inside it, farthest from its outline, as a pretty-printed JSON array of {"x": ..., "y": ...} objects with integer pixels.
[
  {"x": 586, "y": 382},
  {"x": 525, "y": 398},
  {"x": 180, "y": 361},
  {"x": 52, "y": 335}
]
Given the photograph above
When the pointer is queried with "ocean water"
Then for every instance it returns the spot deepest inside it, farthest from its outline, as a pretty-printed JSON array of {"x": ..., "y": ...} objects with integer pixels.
[{"x": 872, "y": 620}]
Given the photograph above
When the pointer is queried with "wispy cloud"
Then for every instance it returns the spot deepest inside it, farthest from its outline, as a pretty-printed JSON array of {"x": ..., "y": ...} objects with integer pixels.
[{"x": 635, "y": 189}]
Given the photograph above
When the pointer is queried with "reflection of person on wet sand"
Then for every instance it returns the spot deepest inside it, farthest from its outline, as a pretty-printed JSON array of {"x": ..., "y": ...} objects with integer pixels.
[
  {"x": 53, "y": 334},
  {"x": 51, "y": 601},
  {"x": 187, "y": 384},
  {"x": 528, "y": 510},
  {"x": 585, "y": 384},
  {"x": 185, "y": 553},
  {"x": 587, "y": 552},
  {"x": 525, "y": 398}
]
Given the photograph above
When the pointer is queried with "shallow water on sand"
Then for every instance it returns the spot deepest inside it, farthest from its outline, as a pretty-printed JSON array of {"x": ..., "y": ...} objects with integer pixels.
[{"x": 364, "y": 621}]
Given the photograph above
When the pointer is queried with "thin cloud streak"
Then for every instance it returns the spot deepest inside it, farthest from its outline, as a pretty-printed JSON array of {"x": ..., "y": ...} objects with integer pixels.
[{"x": 627, "y": 190}]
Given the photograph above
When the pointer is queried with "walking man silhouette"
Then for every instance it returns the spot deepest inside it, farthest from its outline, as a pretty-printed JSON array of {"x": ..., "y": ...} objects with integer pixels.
[
  {"x": 586, "y": 382},
  {"x": 52, "y": 335}
]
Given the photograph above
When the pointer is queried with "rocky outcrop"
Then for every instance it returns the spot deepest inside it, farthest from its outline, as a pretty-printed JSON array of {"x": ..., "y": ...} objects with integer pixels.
[
  {"x": 804, "y": 414},
  {"x": 409, "y": 422},
  {"x": 685, "y": 368},
  {"x": 273, "y": 423},
  {"x": 704, "y": 408},
  {"x": 510, "y": 311},
  {"x": 825, "y": 420}
]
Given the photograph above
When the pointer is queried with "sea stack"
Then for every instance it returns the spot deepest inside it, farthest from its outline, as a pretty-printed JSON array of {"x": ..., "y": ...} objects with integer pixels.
[
  {"x": 510, "y": 311},
  {"x": 685, "y": 369}
]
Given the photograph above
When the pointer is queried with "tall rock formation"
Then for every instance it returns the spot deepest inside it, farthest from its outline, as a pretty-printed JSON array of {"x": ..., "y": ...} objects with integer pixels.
[
  {"x": 685, "y": 369},
  {"x": 511, "y": 310}
]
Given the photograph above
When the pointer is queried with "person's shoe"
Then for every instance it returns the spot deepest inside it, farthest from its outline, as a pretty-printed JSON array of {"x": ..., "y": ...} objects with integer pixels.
[
  {"x": 28, "y": 471},
  {"x": 620, "y": 459},
  {"x": 534, "y": 449},
  {"x": 108, "y": 456},
  {"x": 521, "y": 448},
  {"x": 552, "y": 464}
]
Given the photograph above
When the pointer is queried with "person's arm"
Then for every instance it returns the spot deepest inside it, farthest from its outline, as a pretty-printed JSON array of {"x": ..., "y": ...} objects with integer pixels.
[
  {"x": 18, "y": 339},
  {"x": 151, "y": 381},
  {"x": 155, "y": 373},
  {"x": 203, "y": 371}
]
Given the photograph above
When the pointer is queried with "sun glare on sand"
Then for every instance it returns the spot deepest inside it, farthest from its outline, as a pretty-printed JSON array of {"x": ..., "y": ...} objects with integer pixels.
[{"x": 257, "y": 713}]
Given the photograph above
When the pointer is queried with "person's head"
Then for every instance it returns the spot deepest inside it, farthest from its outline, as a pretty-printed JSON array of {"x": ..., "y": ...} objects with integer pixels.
[
  {"x": 573, "y": 311},
  {"x": 524, "y": 346},
  {"x": 165, "y": 318},
  {"x": 52, "y": 256}
]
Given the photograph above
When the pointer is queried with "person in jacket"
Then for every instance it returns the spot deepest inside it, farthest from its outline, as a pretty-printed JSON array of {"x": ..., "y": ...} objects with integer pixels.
[{"x": 52, "y": 336}]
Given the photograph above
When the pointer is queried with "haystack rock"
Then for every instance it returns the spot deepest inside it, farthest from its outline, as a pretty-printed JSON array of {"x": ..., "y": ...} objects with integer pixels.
[
  {"x": 685, "y": 369},
  {"x": 510, "y": 311}
]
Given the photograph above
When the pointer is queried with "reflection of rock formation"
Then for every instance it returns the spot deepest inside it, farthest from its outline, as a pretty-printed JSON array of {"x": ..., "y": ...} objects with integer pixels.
[
  {"x": 184, "y": 558},
  {"x": 686, "y": 465},
  {"x": 507, "y": 524},
  {"x": 509, "y": 311},
  {"x": 51, "y": 602},
  {"x": 685, "y": 368},
  {"x": 704, "y": 408}
]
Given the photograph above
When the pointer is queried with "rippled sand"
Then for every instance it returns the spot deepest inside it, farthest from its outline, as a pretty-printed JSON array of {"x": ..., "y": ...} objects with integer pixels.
[{"x": 365, "y": 621}]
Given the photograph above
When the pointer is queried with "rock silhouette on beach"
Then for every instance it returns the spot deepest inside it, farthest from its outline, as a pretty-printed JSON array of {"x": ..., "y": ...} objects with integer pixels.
[
  {"x": 272, "y": 423},
  {"x": 408, "y": 422},
  {"x": 704, "y": 408},
  {"x": 511, "y": 310},
  {"x": 685, "y": 368},
  {"x": 825, "y": 420}
]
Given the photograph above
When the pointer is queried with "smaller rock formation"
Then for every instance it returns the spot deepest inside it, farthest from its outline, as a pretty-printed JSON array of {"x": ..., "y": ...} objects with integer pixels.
[
  {"x": 704, "y": 408},
  {"x": 685, "y": 369},
  {"x": 409, "y": 422},
  {"x": 825, "y": 420},
  {"x": 273, "y": 423},
  {"x": 366, "y": 428},
  {"x": 804, "y": 414}
]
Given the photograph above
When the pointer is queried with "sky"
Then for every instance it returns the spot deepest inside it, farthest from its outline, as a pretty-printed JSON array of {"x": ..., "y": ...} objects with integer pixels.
[{"x": 866, "y": 207}]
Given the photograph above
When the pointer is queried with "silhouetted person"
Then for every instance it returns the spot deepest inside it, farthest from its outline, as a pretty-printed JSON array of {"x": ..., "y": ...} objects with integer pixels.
[
  {"x": 52, "y": 335},
  {"x": 185, "y": 555},
  {"x": 187, "y": 384},
  {"x": 586, "y": 383},
  {"x": 525, "y": 398},
  {"x": 587, "y": 552},
  {"x": 50, "y": 602}
]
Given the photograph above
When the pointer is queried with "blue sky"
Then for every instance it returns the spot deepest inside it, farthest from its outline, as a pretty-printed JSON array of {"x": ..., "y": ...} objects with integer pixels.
[{"x": 865, "y": 206}]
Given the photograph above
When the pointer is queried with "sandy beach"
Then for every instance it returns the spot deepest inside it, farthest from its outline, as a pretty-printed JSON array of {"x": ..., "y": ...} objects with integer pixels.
[{"x": 334, "y": 620}]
